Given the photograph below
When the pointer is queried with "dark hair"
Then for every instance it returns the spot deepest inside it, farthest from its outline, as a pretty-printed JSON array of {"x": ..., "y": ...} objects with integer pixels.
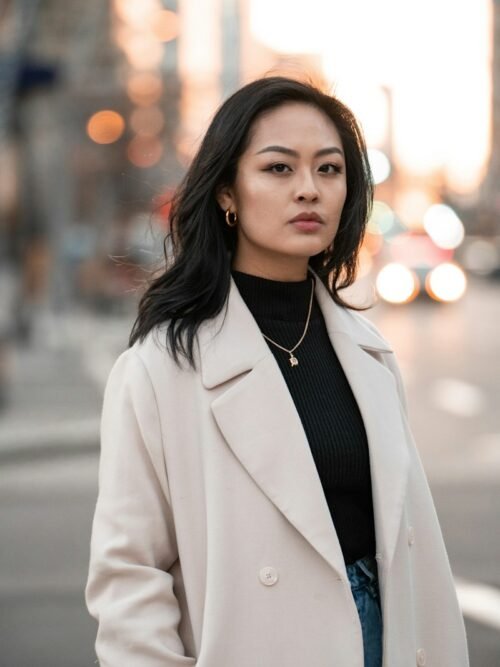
[{"x": 195, "y": 283}]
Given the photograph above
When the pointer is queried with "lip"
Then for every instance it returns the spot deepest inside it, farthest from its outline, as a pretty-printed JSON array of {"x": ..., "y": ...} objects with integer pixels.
[
  {"x": 307, "y": 225},
  {"x": 307, "y": 217}
]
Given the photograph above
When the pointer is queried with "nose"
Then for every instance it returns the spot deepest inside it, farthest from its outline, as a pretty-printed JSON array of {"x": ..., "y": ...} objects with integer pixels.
[{"x": 306, "y": 189}]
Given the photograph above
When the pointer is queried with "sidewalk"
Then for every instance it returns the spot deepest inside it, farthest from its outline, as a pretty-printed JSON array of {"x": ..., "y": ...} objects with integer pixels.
[{"x": 56, "y": 385}]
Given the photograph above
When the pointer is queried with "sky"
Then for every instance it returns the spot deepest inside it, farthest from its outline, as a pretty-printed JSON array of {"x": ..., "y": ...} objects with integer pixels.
[{"x": 429, "y": 59}]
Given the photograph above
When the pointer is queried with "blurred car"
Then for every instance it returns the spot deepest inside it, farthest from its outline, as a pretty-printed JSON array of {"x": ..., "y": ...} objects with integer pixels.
[{"x": 414, "y": 265}]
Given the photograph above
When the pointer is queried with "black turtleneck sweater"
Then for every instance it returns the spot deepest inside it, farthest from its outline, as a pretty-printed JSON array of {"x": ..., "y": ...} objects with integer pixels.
[{"x": 324, "y": 401}]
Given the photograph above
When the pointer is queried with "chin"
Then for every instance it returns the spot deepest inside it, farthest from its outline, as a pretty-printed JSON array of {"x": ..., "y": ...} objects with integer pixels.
[{"x": 309, "y": 248}]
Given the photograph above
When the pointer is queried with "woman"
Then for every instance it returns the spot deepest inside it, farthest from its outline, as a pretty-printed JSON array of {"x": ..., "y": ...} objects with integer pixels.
[{"x": 261, "y": 499}]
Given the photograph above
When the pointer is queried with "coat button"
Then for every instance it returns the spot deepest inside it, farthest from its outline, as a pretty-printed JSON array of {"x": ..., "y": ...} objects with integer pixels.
[
  {"x": 411, "y": 535},
  {"x": 268, "y": 576},
  {"x": 420, "y": 657}
]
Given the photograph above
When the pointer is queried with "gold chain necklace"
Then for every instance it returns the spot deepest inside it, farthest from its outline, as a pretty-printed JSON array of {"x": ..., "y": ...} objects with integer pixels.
[{"x": 293, "y": 359}]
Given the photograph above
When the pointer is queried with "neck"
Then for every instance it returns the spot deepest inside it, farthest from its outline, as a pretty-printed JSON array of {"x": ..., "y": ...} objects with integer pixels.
[
  {"x": 276, "y": 300},
  {"x": 284, "y": 270}
]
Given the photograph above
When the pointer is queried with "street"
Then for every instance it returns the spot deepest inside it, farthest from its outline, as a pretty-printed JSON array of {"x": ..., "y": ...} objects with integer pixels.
[{"x": 449, "y": 360}]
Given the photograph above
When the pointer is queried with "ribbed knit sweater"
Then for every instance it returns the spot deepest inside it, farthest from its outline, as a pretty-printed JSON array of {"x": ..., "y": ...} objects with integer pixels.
[{"x": 324, "y": 401}]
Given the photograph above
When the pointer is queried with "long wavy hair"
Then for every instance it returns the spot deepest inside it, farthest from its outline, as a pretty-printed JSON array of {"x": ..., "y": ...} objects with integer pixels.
[{"x": 198, "y": 250}]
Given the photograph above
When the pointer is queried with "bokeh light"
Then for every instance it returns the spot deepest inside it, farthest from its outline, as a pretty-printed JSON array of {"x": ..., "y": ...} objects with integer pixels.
[
  {"x": 145, "y": 152},
  {"x": 144, "y": 88},
  {"x": 382, "y": 218},
  {"x": 379, "y": 164},
  {"x": 166, "y": 25},
  {"x": 143, "y": 51},
  {"x": 411, "y": 205},
  {"x": 138, "y": 13},
  {"x": 397, "y": 283},
  {"x": 373, "y": 243},
  {"x": 105, "y": 127},
  {"x": 481, "y": 256},
  {"x": 447, "y": 282},
  {"x": 444, "y": 226}
]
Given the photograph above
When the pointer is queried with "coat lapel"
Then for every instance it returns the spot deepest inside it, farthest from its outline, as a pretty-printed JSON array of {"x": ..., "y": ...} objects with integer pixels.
[
  {"x": 257, "y": 417},
  {"x": 360, "y": 351}
]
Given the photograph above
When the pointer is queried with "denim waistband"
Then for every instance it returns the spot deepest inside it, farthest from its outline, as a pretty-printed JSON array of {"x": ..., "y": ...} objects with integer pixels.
[{"x": 363, "y": 571}]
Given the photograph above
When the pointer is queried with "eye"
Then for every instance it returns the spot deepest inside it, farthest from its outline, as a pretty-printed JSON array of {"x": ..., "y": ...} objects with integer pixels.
[
  {"x": 331, "y": 168},
  {"x": 278, "y": 168}
]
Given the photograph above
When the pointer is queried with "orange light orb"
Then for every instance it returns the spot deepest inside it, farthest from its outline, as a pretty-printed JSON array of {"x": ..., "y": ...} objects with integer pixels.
[
  {"x": 137, "y": 12},
  {"x": 105, "y": 127},
  {"x": 144, "y": 88},
  {"x": 143, "y": 51},
  {"x": 166, "y": 25},
  {"x": 145, "y": 152}
]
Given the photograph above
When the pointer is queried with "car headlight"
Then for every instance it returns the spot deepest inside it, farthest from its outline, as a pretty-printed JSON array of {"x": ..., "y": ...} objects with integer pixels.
[
  {"x": 396, "y": 283},
  {"x": 447, "y": 282}
]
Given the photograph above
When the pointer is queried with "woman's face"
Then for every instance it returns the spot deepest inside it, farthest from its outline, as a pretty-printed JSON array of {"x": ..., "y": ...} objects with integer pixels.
[{"x": 293, "y": 167}]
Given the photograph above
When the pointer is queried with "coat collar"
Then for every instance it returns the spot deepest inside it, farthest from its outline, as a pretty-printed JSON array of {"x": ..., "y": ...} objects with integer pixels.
[
  {"x": 231, "y": 343},
  {"x": 258, "y": 419}
]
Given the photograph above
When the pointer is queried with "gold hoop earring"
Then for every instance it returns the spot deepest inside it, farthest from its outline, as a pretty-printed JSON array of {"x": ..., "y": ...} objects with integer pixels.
[{"x": 233, "y": 222}]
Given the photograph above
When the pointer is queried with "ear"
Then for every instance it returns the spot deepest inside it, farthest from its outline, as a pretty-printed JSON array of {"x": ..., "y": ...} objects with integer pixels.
[{"x": 225, "y": 198}]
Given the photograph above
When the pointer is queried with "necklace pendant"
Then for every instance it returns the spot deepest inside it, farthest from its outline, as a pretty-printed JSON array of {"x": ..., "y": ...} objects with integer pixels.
[{"x": 293, "y": 360}]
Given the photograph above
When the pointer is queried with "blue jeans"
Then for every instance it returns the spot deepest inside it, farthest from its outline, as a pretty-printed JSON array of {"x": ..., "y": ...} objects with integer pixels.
[{"x": 363, "y": 577}]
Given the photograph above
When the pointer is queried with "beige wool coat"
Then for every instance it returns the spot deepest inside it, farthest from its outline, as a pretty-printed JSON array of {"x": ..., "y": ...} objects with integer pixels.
[{"x": 212, "y": 541}]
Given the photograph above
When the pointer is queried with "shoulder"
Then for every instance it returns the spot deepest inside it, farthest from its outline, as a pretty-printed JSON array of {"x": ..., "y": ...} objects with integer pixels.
[
  {"x": 135, "y": 364},
  {"x": 155, "y": 355},
  {"x": 360, "y": 328},
  {"x": 145, "y": 380},
  {"x": 363, "y": 321},
  {"x": 152, "y": 349}
]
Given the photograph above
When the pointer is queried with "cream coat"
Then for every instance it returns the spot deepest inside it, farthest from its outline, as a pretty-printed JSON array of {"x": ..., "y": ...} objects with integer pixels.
[{"x": 212, "y": 541}]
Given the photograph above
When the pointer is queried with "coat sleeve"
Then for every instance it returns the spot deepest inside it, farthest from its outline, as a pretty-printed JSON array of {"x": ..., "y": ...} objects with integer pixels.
[{"x": 129, "y": 589}]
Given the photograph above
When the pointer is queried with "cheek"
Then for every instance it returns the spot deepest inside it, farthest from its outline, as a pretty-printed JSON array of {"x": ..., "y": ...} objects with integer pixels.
[
  {"x": 257, "y": 199},
  {"x": 338, "y": 196}
]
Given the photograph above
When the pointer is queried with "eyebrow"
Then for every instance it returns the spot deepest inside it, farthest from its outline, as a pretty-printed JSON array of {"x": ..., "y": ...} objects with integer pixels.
[{"x": 290, "y": 151}]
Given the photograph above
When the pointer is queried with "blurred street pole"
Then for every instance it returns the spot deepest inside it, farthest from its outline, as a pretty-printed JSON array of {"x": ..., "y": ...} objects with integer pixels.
[
  {"x": 230, "y": 47},
  {"x": 17, "y": 20}
]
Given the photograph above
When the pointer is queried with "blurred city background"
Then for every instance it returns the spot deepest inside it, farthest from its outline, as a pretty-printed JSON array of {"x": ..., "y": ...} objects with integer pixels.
[{"x": 102, "y": 105}]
